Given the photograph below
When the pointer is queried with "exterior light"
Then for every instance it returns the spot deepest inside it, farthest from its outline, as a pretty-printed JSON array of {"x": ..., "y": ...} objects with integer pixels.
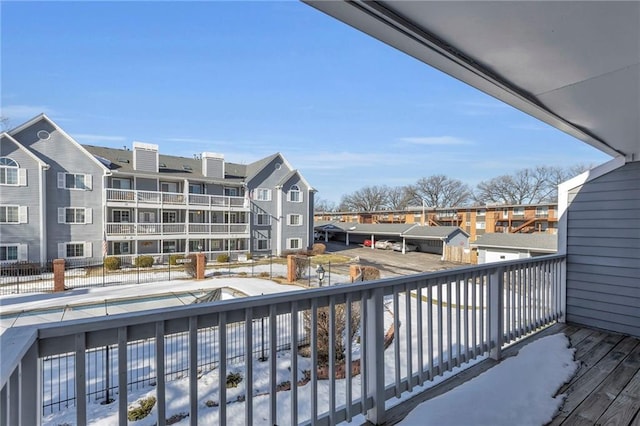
[{"x": 320, "y": 273}]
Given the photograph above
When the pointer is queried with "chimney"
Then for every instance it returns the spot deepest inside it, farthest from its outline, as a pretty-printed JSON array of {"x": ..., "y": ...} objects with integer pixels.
[
  {"x": 145, "y": 157},
  {"x": 213, "y": 165}
]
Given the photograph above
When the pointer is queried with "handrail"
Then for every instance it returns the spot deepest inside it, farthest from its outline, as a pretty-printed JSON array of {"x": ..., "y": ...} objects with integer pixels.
[{"x": 465, "y": 313}]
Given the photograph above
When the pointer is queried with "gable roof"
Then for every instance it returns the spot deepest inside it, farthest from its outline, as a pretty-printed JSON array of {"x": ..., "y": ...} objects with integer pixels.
[
  {"x": 41, "y": 117},
  {"x": 535, "y": 242},
  {"x": 434, "y": 231},
  {"x": 23, "y": 148}
]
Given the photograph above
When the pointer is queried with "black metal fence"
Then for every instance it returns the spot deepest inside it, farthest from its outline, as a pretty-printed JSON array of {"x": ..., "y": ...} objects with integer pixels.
[
  {"x": 58, "y": 372},
  {"x": 26, "y": 277}
]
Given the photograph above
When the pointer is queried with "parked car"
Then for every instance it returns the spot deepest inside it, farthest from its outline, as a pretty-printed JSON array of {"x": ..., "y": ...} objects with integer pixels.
[
  {"x": 407, "y": 247},
  {"x": 385, "y": 244},
  {"x": 367, "y": 243}
]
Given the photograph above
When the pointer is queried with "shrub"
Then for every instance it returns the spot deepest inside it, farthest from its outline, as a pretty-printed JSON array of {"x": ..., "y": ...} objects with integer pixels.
[
  {"x": 144, "y": 261},
  {"x": 249, "y": 256},
  {"x": 142, "y": 409},
  {"x": 222, "y": 258},
  {"x": 174, "y": 258},
  {"x": 370, "y": 273},
  {"x": 318, "y": 248},
  {"x": 263, "y": 274},
  {"x": 233, "y": 379},
  {"x": 112, "y": 263},
  {"x": 242, "y": 274},
  {"x": 322, "y": 321}
]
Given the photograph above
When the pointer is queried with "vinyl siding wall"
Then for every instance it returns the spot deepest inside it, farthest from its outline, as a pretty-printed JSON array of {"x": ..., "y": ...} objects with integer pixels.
[
  {"x": 64, "y": 156},
  {"x": 603, "y": 252},
  {"x": 24, "y": 196}
]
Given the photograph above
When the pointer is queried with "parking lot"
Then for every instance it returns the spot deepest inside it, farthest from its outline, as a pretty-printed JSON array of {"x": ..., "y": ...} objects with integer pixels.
[{"x": 392, "y": 263}]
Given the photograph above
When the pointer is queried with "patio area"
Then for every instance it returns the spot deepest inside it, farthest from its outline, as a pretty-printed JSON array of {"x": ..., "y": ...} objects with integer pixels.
[{"x": 605, "y": 389}]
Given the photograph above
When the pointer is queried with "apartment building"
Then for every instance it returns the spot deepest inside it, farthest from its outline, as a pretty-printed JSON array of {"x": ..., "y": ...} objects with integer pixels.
[
  {"x": 60, "y": 199},
  {"x": 475, "y": 220}
]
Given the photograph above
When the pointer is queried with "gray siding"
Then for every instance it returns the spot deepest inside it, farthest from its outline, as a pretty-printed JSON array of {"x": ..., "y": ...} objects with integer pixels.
[
  {"x": 603, "y": 252},
  {"x": 64, "y": 156},
  {"x": 145, "y": 160},
  {"x": 24, "y": 196}
]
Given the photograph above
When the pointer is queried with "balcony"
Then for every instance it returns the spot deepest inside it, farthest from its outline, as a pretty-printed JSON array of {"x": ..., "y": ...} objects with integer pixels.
[
  {"x": 191, "y": 229},
  {"x": 132, "y": 198},
  {"x": 403, "y": 333}
]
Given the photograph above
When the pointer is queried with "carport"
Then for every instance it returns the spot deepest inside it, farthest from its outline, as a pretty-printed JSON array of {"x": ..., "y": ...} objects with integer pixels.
[
  {"x": 433, "y": 239},
  {"x": 358, "y": 232},
  {"x": 328, "y": 227}
]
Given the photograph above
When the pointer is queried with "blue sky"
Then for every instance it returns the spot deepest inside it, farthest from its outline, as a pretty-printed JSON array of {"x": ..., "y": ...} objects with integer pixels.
[{"x": 248, "y": 79}]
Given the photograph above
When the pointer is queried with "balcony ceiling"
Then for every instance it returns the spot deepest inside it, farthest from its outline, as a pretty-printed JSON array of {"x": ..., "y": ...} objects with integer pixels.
[{"x": 573, "y": 64}]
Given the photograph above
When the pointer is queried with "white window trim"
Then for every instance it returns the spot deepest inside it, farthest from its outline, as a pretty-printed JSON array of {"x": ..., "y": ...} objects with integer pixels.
[
  {"x": 23, "y": 251},
  {"x": 23, "y": 216},
  {"x": 289, "y": 216},
  {"x": 289, "y": 240},
  {"x": 22, "y": 173},
  {"x": 481, "y": 225},
  {"x": 260, "y": 191},
  {"x": 62, "y": 181},
  {"x": 62, "y": 215},
  {"x": 296, "y": 190},
  {"x": 62, "y": 250}
]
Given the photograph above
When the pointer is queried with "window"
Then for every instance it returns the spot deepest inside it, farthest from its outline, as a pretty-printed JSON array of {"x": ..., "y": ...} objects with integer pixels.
[
  {"x": 117, "y": 183},
  {"x": 295, "y": 196},
  {"x": 518, "y": 211},
  {"x": 196, "y": 245},
  {"x": 10, "y": 214},
  {"x": 74, "y": 215},
  {"x": 231, "y": 192},
  {"x": 481, "y": 212},
  {"x": 294, "y": 219},
  {"x": 262, "y": 244},
  {"x": 480, "y": 225},
  {"x": 9, "y": 253},
  {"x": 263, "y": 194},
  {"x": 263, "y": 219},
  {"x": 144, "y": 217},
  {"x": 10, "y": 174},
  {"x": 122, "y": 247},
  {"x": 74, "y": 249},
  {"x": 168, "y": 187},
  {"x": 542, "y": 211},
  {"x": 169, "y": 246},
  {"x": 121, "y": 216},
  {"x": 169, "y": 217},
  {"x": 74, "y": 181},
  {"x": 294, "y": 243},
  {"x": 195, "y": 188}
]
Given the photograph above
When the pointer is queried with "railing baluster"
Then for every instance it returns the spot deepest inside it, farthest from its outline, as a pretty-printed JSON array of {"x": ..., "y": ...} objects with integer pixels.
[
  {"x": 408, "y": 333},
  {"x": 193, "y": 371},
  {"x": 396, "y": 340},
  {"x": 458, "y": 300},
  {"x": 160, "y": 372},
  {"x": 449, "y": 325},
  {"x": 81, "y": 379},
  {"x": 30, "y": 404},
  {"x": 348, "y": 350},
  {"x": 248, "y": 365},
  {"x": 222, "y": 367},
  {"x": 419, "y": 320},
  {"x": 122, "y": 375},
  {"x": 332, "y": 360},
  {"x": 440, "y": 329},
  {"x": 273, "y": 372},
  {"x": 429, "y": 288},
  {"x": 294, "y": 363},
  {"x": 313, "y": 345}
]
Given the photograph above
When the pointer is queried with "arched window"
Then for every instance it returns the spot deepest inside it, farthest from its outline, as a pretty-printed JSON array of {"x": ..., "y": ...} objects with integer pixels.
[
  {"x": 8, "y": 171},
  {"x": 295, "y": 195}
]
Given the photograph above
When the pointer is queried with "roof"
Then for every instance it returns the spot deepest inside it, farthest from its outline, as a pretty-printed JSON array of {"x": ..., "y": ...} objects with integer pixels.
[
  {"x": 376, "y": 228},
  {"x": 122, "y": 162},
  {"x": 506, "y": 50},
  {"x": 433, "y": 231},
  {"x": 533, "y": 242},
  {"x": 23, "y": 148}
]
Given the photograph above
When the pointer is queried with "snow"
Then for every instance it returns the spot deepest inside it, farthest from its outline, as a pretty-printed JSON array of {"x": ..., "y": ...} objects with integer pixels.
[{"x": 520, "y": 390}]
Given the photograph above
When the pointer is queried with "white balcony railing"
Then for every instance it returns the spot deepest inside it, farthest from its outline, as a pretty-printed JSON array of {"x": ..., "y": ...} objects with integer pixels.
[
  {"x": 176, "y": 199},
  {"x": 146, "y": 229},
  {"x": 396, "y": 333}
]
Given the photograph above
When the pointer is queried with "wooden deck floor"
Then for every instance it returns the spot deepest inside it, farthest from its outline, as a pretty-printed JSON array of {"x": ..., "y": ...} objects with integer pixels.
[{"x": 604, "y": 391}]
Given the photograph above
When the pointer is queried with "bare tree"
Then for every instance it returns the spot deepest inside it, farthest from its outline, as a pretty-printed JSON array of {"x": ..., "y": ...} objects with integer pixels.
[
  {"x": 526, "y": 186},
  {"x": 398, "y": 198},
  {"x": 322, "y": 205},
  {"x": 369, "y": 198},
  {"x": 440, "y": 191},
  {"x": 5, "y": 123}
]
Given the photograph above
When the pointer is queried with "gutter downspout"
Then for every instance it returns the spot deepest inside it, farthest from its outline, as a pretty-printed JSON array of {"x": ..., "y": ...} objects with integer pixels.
[{"x": 43, "y": 213}]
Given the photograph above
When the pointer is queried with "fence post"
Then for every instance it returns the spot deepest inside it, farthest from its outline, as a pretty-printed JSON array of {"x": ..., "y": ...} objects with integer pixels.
[
  {"x": 329, "y": 274},
  {"x": 374, "y": 371},
  {"x": 496, "y": 313},
  {"x": 58, "y": 275}
]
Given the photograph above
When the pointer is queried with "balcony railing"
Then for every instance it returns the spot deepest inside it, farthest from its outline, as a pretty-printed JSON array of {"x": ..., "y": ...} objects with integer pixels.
[
  {"x": 146, "y": 229},
  {"x": 392, "y": 335},
  {"x": 176, "y": 199}
]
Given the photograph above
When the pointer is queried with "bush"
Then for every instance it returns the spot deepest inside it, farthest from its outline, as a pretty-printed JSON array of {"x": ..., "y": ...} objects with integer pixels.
[
  {"x": 263, "y": 274},
  {"x": 173, "y": 259},
  {"x": 318, "y": 248},
  {"x": 144, "y": 261},
  {"x": 322, "y": 321},
  {"x": 233, "y": 379},
  {"x": 112, "y": 263},
  {"x": 142, "y": 409},
  {"x": 222, "y": 258},
  {"x": 249, "y": 256}
]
